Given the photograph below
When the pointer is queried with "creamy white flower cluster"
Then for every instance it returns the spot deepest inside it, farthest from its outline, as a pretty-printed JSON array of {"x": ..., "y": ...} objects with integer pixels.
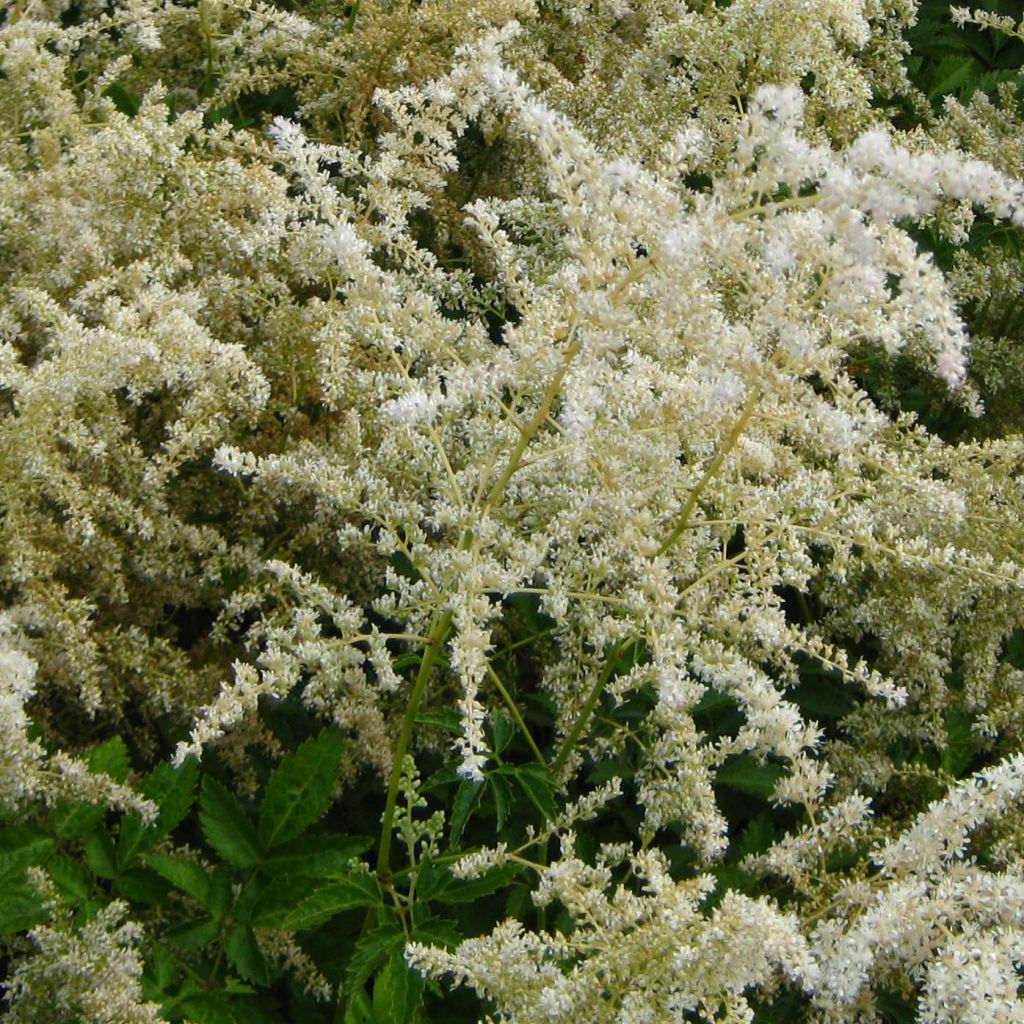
[
  {"x": 934, "y": 914},
  {"x": 27, "y": 770},
  {"x": 349, "y": 400},
  {"x": 92, "y": 973},
  {"x": 633, "y": 956}
]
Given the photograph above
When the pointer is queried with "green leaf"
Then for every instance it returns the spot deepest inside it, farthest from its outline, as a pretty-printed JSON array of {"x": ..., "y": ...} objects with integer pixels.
[
  {"x": 195, "y": 934},
  {"x": 208, "y": 1008},
  {"x": 757, "y": 836},
  {"x": 749, "y": 775},
  {"x": 219, "y": 900},
  {"x": 539, "y": 786},
  {"x": 459, "y": 890},
  {"x": 448, "y": 721},
  {"x": 950, "y": 75},
  {"x": 504, "y": 730},
  {"x": 20, "y": 907},
  {"x": 359, "y": 889},
  {"x": 110, "y": 758},
  {"x": 359, "y": 1010},
  {"x": 125, "y": 102},
  {"x": 299, "y": 791},
  {"x": 172, "y": 790},
  {"x": 99, "y": 852},
  {"x": 442, "y": 778},
  {"x": 315, "y": 855},
  {"x": 502, "y": 793},
  {"x": 141, "y": 885},
  {"x": 960, "y": 744},
  {"x": 227, "y": 827},
  {"x": 371, "y": 951},
  {"x": 713, "y": 700},
  {"x": 438, "y": 931},
  {"x": 467, "y": 796},
  {"x": 244, "y": 955},
  {"x": 70, "y": 877},
  {"x": 21, "y": 846},
  {"x": 185, "y": 875},
  {"x": 72, "y": 819},
  {"x": 164, "y": 967},
  {"x": 895, "y": 1008},
  {"x": 267, "y": 902},
  {"x": 248, "y": 899},
  {"x": 397, "y": 992}
]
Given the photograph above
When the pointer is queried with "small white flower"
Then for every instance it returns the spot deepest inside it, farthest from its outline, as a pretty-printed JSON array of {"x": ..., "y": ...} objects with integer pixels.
[{"x": 412, "y": 408}]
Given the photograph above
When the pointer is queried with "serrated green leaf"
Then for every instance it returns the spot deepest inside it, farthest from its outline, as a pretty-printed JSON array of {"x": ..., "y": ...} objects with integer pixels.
[
  {"x": 315, "y": 855},
  {"x": 227, "y": 827},
  {"x": 757, "y": 836},
  {"x": 21, "y": 846},
  {"x": 504, "y": 730},
  {"x": 895, "y": 1007},
  {"x": 99, "y": 852},
  {"x": 142, "y": 885},
  {"x": 749, "y": 775},
  {"x": 244, "y": 955},
  {"x": 502, "y": 793},
  {"x": 185, "y": 875},
  {"x": 70, "y": 877},
  {"x": 356, "y": 890},
  {"x": 219, "y": 900},
  {"x": 713, "y": 700},
  {"x": 951, "y": 74},
  {"x": 446, "y": 776},
  {"x": 273, "y": 900},
  {"x": 449, "y": 721},
  {"x": 72, "y": 819},
  {"x": 438, "y": 931},
  {"x": 360, "y": 1010},
  {"x": 467, "y": 796},
  {"x": 371, "y": 951},
  {"x": 427, "y": 878},
  {"x": 172, "y": 790},
  {"x": 458, "y": 890},
  {"x": 110, "y": 758},
  {"x": 248, "y": 899},
  {"x": 539, "y": 786},
  {"x": 960, "y": 745},
  {"x": 21, "y": 907},
  {"x": 299, "y": 790},
  {"x": 125, "y": 102},
  {"x": 208, "y": 1008},
  {"x": 397, "y": 991},
  {"x": 195, "y": 934},
  {"x": 164, "y": 966}
]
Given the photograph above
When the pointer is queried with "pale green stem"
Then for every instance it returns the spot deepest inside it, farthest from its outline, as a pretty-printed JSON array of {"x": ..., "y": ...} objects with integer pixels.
[
  {"x": 531, "y": 428},
  {"x": 588, "y": 708},
  {"x": 435, "y": 640},
  {"x": 716, "y": 465},
  {"x": 514, "y": 710}
]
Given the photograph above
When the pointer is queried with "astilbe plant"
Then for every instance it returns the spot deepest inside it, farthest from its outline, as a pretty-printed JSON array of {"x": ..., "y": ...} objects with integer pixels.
[{"x": 513, "y": 424}]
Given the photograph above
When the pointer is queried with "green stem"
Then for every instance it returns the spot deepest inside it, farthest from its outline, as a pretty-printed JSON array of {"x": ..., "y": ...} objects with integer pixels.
[
  {"x": 526, "y": 435},
  {"x": 716, "y": 464},
  {"x": 588, "y": 708},
  {"x": 507, "y": 697},
  {"x": 435, "y": 641}
]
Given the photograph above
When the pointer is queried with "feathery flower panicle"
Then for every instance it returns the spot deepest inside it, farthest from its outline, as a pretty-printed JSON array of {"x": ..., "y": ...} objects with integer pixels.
[{"x": 525, "y": 335}]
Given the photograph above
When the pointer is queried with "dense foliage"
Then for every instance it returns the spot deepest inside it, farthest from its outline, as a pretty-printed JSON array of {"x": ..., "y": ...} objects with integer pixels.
[{"x": 511, "y": 510}]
